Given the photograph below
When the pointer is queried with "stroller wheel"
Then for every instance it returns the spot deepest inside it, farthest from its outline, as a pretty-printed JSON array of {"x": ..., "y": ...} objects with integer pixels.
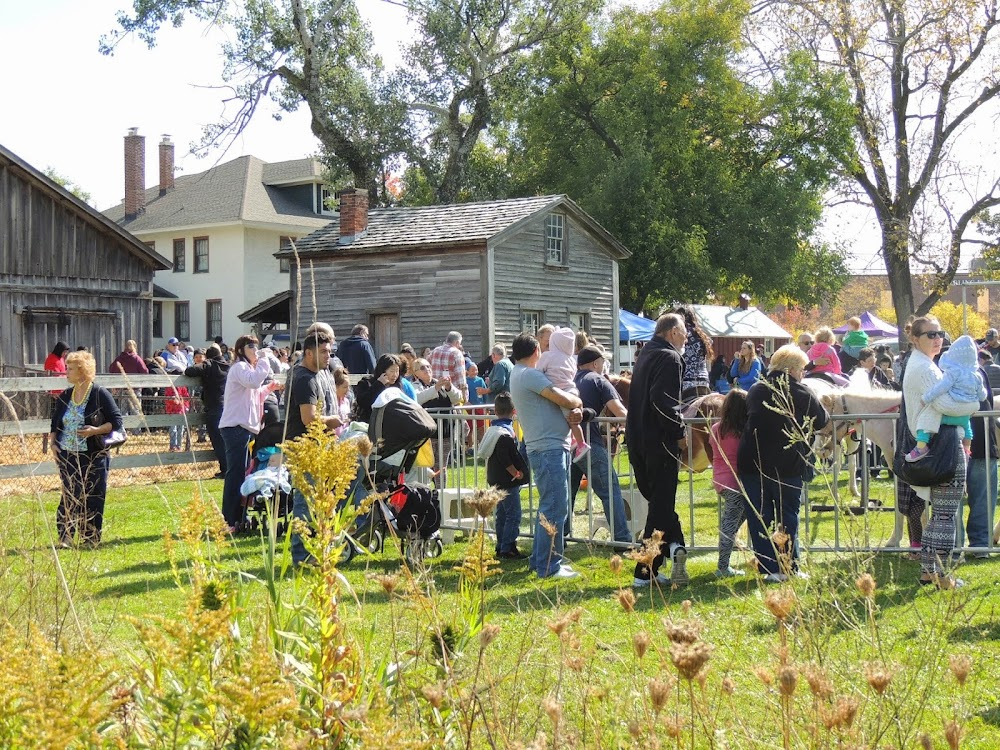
[
  {"x": 375, "y": 542},
  {"x": 348, "y": 552},
  {"x": 433, "y": 547}
]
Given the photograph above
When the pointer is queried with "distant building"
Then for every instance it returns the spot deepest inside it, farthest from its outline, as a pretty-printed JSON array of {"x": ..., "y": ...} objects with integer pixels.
[
  {"x": 67, "y": 273},
  {"x": 489, "y": 269},
  {"x": 220, "y": 229}
]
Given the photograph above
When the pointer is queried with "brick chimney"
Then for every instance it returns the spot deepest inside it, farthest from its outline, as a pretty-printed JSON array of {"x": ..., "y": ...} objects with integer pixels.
[
  {"x": 135, "y": 173},
  {"x": 166, "y": 165},
  {"x": 353, "y": 214}
]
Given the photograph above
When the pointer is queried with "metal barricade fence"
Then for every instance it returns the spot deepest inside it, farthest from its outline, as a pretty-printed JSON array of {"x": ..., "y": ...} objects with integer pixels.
[{"x": 465, "y": 472}]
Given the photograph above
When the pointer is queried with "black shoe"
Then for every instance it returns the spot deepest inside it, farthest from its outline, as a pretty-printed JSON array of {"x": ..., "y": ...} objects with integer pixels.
[
  {"x": 219, "y": 475},
  {"x": 514, "y": 554}
]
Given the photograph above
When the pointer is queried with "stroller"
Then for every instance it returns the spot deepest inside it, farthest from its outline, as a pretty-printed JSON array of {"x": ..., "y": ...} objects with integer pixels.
[
  {"x": 412, "y": 511},
  {"x": 266, "y": 489}
]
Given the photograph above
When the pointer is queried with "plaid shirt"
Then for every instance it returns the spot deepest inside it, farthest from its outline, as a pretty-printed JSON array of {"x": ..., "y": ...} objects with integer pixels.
[{"x": 447, "y": 361}]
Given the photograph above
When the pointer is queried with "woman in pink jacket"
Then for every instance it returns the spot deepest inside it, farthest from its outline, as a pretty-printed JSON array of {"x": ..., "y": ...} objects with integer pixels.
[{"x": 242, "y": 418}]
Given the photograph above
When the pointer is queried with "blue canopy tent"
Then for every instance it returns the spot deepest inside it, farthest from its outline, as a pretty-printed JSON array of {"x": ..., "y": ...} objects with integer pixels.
[
  {"x": 872, "y": 325},
  {"x": 632, "y": 327}
]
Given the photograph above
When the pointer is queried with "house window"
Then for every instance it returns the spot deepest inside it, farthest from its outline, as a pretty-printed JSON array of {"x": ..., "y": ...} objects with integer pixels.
[
  {"x": 285, "y": 264},
  {"x": 530, "y": 320},
  {"x": 179, "y": 254},
  {"x": 555, "y": 236},
  {"x": 579, "y": 321},
  {"x": 213, "y": 318},
  {"x": 327, "y": 200},
  {"x": 182, "y": 320},
  {"x": 157, "y": 320},
  {"x": 201, "y": 254}
]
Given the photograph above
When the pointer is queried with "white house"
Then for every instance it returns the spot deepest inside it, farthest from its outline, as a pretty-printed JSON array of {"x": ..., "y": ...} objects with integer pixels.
[{"x": 220, "y": 229}]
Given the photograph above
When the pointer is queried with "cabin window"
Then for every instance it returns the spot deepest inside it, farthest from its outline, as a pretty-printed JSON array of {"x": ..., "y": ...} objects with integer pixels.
[
  {"x": 555, "y": 240},
  {"x": 179, "y": 254},
  {"x": 579, "y": 321},
  {"x": 157, "y": 320},
  {"x": 201, "y": 254},
  {"x": 182, "y": 320},
  {"x": 531, "y": 320},
  {"x": 213, "y": 318},
  {"x": 285, "y": 264}
]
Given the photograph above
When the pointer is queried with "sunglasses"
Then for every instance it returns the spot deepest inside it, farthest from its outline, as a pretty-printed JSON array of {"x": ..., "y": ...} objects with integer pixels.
[{"x": 932, "y": 334}]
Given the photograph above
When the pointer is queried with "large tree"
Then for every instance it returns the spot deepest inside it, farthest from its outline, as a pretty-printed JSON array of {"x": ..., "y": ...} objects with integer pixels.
[
  {"x": 714, "y": 184},
  {"x": 923, "y": 76},
  {"x": 466, "y": 54}
]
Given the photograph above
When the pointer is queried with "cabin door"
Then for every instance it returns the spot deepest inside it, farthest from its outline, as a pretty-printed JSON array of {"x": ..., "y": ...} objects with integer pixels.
[{"x": 384, "y": 333}]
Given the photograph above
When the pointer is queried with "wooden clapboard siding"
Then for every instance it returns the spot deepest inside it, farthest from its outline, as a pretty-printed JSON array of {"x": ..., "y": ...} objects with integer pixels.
[
  {"x": 56, "y": 253},
  {"x": 433, "y": 291},
  {"x": 524, "y": 282}
]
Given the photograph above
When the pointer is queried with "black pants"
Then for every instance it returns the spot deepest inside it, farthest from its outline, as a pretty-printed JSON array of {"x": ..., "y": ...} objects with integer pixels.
[
  {"x": 84, "y": 489},
  {"x": 212, "y": 418},
  {"x": 656, "y": 478}
]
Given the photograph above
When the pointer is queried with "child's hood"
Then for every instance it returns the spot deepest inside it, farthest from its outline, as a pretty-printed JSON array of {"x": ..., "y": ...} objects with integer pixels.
[
  {"x": 563, "y": 340},
  {"x": 963, "y": 353}
]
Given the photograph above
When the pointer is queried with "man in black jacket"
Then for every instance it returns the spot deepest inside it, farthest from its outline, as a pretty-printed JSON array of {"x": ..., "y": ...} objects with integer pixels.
[
  {"x": 656, "y": 438},
  {"x": 212, "y": 373}
]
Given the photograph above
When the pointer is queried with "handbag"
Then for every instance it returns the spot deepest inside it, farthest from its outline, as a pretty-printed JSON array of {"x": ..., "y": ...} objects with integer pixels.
[
  {"x": 936, "y": 467},
  {"x": 115, "y": 438}
]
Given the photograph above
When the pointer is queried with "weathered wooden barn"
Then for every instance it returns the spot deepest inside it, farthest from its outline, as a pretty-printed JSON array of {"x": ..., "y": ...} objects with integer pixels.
[
  {"x": 488, "y": 269},
  {"x": 67, "y": 273}
]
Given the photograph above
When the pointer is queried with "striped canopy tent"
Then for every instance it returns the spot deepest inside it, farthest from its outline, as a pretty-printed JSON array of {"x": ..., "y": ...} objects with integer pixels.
[{"x": 872, "y": 325}]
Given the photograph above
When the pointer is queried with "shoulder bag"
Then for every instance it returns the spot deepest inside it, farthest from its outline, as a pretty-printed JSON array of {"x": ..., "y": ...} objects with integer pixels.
[{"x": 938, "y": 464}]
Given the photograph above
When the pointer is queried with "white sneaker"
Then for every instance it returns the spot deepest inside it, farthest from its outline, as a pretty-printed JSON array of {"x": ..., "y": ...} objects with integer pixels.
[
  {"x": 775, "y": 578},
  {"x": 565, "y": 572},
  {"x": 802, "y": 575},
  {"x": 678, "y": 570},
  {"x": 641, "y": 583}
]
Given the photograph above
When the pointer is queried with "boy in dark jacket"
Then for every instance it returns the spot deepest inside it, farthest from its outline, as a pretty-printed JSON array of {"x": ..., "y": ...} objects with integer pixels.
[
  {"x": 213, "y": 373},
  {"x": 506, "y": 470}
]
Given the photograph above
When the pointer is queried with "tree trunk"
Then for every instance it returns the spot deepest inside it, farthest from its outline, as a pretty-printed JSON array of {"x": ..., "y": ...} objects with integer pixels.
[{"x": 895, "y": 252}]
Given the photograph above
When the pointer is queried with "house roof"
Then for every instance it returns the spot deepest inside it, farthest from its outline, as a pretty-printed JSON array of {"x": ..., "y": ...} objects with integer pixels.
[
  {"x": 296, "y": 171},
  {"x": 160, "y": 293},
  {"x": 275, "y": 309},
  {"x": 132, "y": 243},
  {"x": 446, "y": 225},
  {"x": 227, "y": 193},
  {"x": 718, "y": 321}
]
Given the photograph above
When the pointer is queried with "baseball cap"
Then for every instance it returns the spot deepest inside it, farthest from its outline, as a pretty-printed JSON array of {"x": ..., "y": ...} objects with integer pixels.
[
  {"x": 173, "y": 340},
  {"x": 589, "y": 354},
  {"x": 991, "y": 334}
]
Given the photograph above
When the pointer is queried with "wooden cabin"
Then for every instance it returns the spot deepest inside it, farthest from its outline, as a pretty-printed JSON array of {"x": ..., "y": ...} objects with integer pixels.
[
  {"x": 489, "y": 270},
  {"x": 67, "y": 273}
]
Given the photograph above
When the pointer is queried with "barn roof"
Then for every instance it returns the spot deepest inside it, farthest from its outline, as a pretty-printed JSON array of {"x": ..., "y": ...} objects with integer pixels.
[
  {"x": 132, "y": 243},
  {"x": 243, "y": 189},
  {"x": 447, "y": 225}
]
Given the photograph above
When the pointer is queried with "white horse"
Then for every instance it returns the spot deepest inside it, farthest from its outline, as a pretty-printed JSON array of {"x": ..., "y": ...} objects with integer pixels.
[{"x": 860, "y": 398}]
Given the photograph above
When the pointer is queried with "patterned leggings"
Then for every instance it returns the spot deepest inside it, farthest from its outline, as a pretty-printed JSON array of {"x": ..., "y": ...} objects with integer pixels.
[
  {"x": 939, "y": 536},
  {"x": 734, "y": 513}
]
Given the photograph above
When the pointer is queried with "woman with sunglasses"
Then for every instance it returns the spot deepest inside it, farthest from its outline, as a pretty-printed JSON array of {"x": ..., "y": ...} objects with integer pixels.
[
  {"x": 920, "y": 376},
  {"x": 242, "y": 418}
]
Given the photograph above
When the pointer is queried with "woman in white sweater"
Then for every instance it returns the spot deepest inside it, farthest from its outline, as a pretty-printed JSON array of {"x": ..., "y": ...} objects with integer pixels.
[{"x": 939, "y": 536}]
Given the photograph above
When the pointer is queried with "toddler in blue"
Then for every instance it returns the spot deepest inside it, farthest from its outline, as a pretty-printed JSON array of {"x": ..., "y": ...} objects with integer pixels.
[{"x": 953, "y": 399}]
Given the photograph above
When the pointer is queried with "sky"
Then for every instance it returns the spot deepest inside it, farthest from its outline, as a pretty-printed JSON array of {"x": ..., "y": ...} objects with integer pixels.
[{"x": 71, "y": 110}]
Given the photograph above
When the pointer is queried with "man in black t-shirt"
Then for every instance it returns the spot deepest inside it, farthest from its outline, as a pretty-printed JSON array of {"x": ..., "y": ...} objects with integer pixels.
[
  {"x": 598, "y": 394},
  {"x": 311, "y": 382}
]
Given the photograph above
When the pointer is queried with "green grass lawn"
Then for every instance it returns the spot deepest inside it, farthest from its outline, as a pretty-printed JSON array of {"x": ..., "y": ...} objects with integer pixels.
[{"x": 129, "y": 576}]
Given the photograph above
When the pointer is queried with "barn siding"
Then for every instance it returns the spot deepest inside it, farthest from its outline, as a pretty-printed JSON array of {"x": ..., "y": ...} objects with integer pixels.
[
  {"x": 433, "y": 291},
  {"x": 524, "y": 282},
  {"x": 54, "y": 256}
]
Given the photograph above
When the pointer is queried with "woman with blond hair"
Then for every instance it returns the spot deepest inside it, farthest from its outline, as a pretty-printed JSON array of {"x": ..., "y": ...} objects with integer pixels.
[
  {"x": 85, "y": 414},
  {"x": 747, "y": 368},
  {"x": 773, "y": 459}
]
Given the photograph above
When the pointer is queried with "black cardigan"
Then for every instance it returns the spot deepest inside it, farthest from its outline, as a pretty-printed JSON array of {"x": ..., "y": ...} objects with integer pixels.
[{"x": 100, "y": 408}]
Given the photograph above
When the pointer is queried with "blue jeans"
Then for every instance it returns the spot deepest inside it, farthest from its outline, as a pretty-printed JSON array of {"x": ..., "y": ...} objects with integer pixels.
[
  {"x": 356, "y": 492},
  {"x": 236, "y": 440},
  {"x": 176, "y": 435},
  {"x": 597, "y": 463},
  {"x": 979, "y": 501},
  {"x": 772, "y": 500},
  {"x": 550, "y": 470},
  {"x": 508, "y": 520}
]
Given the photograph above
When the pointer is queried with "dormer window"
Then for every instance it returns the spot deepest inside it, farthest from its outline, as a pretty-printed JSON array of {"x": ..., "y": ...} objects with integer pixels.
[
  {"x": 327, "y": 202},
  {"x": 555, "y": 240}
]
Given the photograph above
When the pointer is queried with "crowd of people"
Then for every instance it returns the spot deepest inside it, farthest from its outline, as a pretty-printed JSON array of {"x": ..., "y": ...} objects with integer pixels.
[{"x": 543, "y": 395}]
